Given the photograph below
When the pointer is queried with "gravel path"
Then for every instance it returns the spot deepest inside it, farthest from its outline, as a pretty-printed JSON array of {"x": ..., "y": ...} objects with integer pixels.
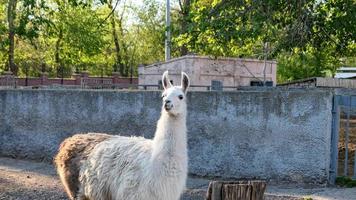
[{"x": 27, "y": 180}]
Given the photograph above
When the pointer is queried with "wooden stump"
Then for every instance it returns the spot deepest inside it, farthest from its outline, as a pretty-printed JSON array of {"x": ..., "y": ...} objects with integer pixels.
[{"x": 236, "y": 190}]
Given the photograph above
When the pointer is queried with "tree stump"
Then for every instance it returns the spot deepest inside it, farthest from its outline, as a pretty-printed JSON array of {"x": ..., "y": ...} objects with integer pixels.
[{"x": 236, "y": 190}]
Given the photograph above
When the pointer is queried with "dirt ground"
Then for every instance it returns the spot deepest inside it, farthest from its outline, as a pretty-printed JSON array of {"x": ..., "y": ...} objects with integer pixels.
[
  {"x": 28, "y": 180},
  {"x": 23, "y": 180}
]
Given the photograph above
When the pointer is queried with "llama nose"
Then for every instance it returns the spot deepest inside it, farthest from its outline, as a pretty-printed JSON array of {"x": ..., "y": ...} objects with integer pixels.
[{"x": 167, "y": 104}]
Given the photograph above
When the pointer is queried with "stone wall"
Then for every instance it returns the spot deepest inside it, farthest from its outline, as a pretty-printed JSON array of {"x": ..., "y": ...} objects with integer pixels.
[{"x": 280, "y": 135}]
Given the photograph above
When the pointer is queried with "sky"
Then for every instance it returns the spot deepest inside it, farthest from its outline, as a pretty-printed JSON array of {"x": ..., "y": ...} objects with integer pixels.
[{"x": 131, "y": 18}]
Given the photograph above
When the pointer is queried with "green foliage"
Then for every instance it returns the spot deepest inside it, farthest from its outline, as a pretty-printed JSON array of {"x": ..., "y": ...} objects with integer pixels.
[
  {"x": 307, "y": 38},
  {"x": 72, "y": 35},
  {"x": 81, "y": 36},
  {"x": 149, "y": 32},
  {"x": 30, "y": 18},
  {"x": 345, "y": 181},
  {"x": 301, "y": 64},
  {"x": 3, "y": 28}
]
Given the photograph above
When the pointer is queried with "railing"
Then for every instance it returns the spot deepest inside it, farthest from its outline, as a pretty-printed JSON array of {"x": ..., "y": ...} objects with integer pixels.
[
  {"x": 96, "y": 83},
  {"x": 193, "y": 87},
  {"x": 78, "y": 81},
  {"x": 8, "y": 81}
]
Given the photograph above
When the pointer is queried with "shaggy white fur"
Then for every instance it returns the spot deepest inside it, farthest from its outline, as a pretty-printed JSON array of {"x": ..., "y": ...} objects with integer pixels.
[{"x": 135, "y": 168}]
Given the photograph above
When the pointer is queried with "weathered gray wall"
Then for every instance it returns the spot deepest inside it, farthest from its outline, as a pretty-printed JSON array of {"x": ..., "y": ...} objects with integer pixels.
[{"x": 277, "y": 135}]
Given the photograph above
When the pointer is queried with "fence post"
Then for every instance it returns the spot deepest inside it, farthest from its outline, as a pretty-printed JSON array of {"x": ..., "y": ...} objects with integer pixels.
[
  {"x": 84, "y": 78},
  {"x": 115, "y": 78},
  {"x": 347, "y": 133},
  {"x": 62, "y": 74},
  {"x": 77, "y": 78},
  {"x": 10, "y": 80},
  {"x": 353, "y": 101},
  {"x": 44, "y": 78},
  {"x": 131, "y": 74},
  {"x": 26, "y": 73},
  {"x": 334, "y": 139},
  {"x": 84, "y": 74}
]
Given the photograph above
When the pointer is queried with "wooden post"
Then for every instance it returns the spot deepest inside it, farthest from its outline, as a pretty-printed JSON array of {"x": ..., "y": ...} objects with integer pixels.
[
  {"x": 115, "y": 77},
  {"x": 236, "y": 190},
  {"x": 77, "y": 78}
]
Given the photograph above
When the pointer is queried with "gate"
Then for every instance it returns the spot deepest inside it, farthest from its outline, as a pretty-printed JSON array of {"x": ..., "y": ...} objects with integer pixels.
[{"x": 343, "y": 137}]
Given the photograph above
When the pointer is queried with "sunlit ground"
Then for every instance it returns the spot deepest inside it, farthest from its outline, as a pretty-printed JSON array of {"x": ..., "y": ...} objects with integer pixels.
[{"x": 24, "y": 180}]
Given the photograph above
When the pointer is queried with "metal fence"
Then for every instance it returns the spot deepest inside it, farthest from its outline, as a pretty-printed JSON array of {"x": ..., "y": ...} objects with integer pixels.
[
  {"x": 7, "y": 81},
  {"x": 78, "y": 81},
  {"x": 96, "y": 83},
  {"x": 192, "y": 87},
  {"x": 215, "y": 86},
  {"x": 343, "y": 145}
]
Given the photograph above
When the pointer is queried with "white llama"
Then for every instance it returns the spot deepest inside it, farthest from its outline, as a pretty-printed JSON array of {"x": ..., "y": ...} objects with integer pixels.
[{"x": 98, "y": 166}]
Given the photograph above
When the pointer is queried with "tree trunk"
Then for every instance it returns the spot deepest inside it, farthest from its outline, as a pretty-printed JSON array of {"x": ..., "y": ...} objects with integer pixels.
[
  {"x": 118, "y": 62},
  {"x": 236, "y": 190},
  {"x": 11, "y": 15},
  {"x": 57, "y": 57},
  {"x": 124, "y": 50},
  {"x": 185, "y": 10}
]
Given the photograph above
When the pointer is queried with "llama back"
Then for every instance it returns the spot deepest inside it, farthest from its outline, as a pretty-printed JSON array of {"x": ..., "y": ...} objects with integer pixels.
[
  {"x": 120, "y": 162},
  {"x": 72, "y": 153}
]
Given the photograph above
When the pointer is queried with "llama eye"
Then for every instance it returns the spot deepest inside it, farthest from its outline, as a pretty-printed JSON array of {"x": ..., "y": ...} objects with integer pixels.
[
  {"x": 163, "y": 96},
  {"x": 180, "y": 97}
]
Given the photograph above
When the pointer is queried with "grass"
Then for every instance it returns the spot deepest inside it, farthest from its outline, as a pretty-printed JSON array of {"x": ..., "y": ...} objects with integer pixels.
[{"x": 345, "y": 182}]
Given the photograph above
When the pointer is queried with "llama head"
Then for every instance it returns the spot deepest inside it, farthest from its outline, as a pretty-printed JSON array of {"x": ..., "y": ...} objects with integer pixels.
[{"x": 174, "y": 97}]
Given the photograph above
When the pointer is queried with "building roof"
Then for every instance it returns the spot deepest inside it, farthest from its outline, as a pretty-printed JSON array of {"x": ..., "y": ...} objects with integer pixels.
[
  {"x": 209, "y": 58},
  {"x": 347, "y": 69},
  {"x": 346, "y": 72},
  {"x": 345, "y": 75}
]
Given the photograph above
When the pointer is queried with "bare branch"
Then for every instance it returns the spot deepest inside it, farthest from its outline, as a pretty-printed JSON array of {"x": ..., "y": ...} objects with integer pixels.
[
  {"x": 112, "y": 11},
  {"x": 180, "y": 5}
]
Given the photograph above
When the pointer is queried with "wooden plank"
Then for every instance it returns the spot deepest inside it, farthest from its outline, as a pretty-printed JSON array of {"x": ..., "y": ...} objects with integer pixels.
[
  {"x": 216, "y": 190},
  {"x": 236, "y": 190}
]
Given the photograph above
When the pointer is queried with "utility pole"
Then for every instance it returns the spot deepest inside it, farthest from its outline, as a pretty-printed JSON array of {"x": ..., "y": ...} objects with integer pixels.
[
  {"x": 168, "y": 31},
  {"x": 265, "y": 66}
]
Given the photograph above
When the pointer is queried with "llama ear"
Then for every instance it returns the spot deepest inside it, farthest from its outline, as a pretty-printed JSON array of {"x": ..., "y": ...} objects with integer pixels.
[
  {"x": 165, "y": 81},
  {"x": 185, "y": 82}
]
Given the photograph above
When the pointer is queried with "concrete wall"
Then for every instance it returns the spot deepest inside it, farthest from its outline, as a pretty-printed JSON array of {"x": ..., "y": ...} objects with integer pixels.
[
  {"x": 202, "y": 70},
  {"x": 277, "y": 135}
]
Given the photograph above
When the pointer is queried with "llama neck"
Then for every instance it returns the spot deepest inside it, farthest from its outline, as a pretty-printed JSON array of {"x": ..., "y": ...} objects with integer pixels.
[{"x": 170, "y": 141}]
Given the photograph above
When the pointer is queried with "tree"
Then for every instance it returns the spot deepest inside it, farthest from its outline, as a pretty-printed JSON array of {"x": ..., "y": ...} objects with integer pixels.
[
  {"x": 319, "y": 29},
  {"x": 148, "y": 32},
  {"x": 23, "y": 20},
  {"x": 3, "y": 36},
  {"x": 11, "y": 8},
  {"x": 75, "y": 35},
  {"x": 118, "y": 63},
  {"x": 184, "y": 21}
]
